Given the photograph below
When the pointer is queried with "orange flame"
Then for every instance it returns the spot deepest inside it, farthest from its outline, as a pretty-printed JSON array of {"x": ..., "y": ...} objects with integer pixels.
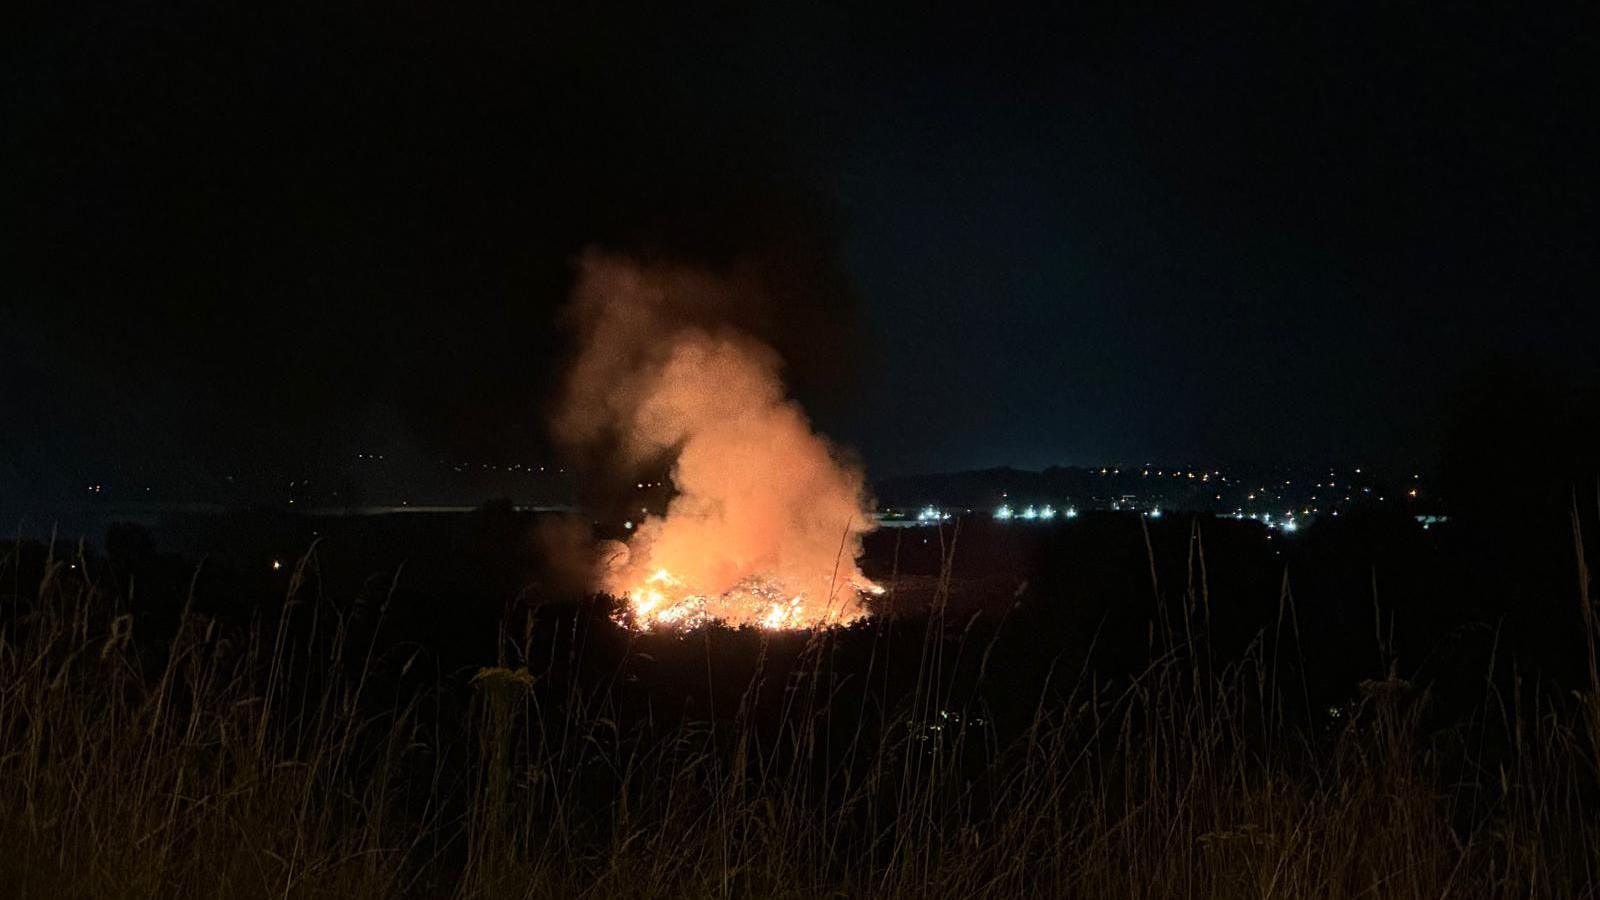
[
  {"x": 766, "y": 525},
  {"x": 663, "y": 600}
]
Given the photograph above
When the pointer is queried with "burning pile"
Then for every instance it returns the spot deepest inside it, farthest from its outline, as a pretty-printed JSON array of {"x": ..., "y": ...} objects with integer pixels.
[
  {"x": 664, "y": 599},
  {"x": 766, "y": 525}
]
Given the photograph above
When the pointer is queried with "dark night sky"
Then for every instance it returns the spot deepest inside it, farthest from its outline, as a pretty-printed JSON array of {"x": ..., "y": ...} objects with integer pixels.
[{"x": 999, "y": 238}]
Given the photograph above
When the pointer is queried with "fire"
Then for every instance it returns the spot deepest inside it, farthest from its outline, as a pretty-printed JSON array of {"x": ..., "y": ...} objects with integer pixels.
[
  {"x": 765, "y": 527},
  {"x": 664, "y": 600}
]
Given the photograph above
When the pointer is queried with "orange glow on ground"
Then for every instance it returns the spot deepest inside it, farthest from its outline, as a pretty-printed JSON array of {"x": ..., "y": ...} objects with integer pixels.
[{"x": 663, "y": 600}]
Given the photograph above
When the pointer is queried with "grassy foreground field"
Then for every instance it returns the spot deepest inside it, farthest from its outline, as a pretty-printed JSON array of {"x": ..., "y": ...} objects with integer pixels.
[{"x": 302, "y": 755}]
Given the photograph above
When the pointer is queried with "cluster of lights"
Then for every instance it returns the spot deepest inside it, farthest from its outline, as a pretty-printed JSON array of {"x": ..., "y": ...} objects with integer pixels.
[
  {"x": 1287, "y": 524},
  {"x": 466, "y": 466},
  {"x": 929, "y": 514},
  {"x": 1031, "y": 513},
  {"x": 1269, "y": 493}
]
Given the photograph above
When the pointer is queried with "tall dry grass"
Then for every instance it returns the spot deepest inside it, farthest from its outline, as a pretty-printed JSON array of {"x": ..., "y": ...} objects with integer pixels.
[{"x": 302, "y": 757}]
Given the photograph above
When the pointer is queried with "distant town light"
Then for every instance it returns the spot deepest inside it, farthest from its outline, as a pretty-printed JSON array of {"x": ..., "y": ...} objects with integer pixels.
[
  {"x": 1004, "y": 512},
  {"x": 1072, "y": 512},
  {"x": 276, "y": 565}
]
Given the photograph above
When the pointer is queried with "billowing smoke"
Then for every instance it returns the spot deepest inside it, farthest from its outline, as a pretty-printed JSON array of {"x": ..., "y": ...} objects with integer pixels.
[{"x": 766, "y": 524}]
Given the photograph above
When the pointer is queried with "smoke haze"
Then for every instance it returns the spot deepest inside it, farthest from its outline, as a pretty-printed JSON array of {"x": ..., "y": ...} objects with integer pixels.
[{"x": 766, "y": 523}]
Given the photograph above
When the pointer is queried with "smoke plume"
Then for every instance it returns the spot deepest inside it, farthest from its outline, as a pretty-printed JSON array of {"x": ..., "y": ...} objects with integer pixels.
[{"x": 766, "y": 523}]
